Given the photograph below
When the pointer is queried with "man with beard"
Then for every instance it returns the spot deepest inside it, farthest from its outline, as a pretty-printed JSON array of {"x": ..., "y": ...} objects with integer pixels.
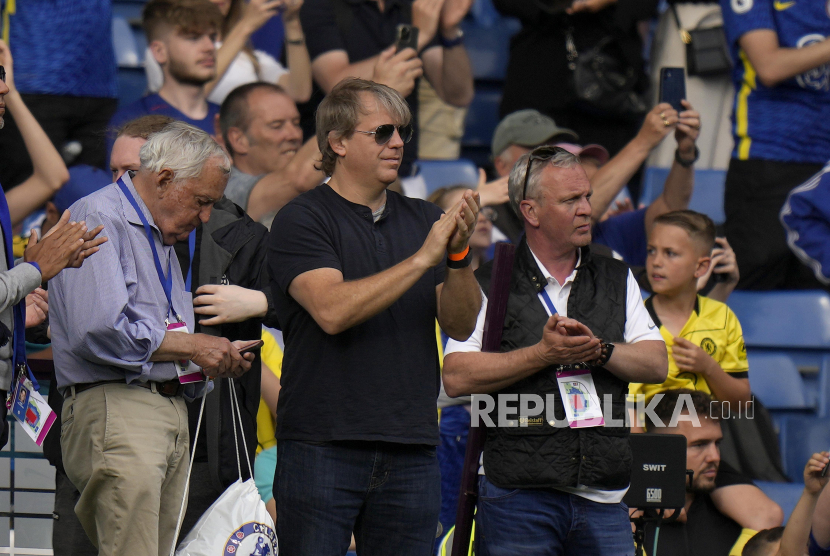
[
  {"x": 181, "y": 35},
  {"x": 701, "y": 529}
]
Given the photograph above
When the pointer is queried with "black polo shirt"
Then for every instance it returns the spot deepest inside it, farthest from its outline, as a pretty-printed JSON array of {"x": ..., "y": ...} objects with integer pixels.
[
  {"x": 379, "y": 379},
  {"x": 360, "y": 29}
]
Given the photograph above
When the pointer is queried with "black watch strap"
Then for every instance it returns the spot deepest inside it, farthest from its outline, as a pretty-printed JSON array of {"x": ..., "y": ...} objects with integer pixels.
[
  {"x": 686, "y": 163},
  {"x": 463, "y": 263},
  {"x": 605, "y": 355}
]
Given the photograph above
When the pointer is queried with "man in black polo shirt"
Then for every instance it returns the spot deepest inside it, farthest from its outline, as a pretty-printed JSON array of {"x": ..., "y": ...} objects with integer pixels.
[
  {"x": 356, "y": 38},
  {"x": 359, "y": 281}
]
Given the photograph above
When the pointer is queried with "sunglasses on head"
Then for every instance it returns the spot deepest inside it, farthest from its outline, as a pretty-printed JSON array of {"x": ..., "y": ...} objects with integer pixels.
[
  {"x": 383, "y": 133},
  {"x": 539, "y": 153}
]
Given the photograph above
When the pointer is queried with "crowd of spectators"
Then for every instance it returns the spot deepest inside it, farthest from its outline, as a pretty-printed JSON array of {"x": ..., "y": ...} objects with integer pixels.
[{"x": 256, "y": 194}]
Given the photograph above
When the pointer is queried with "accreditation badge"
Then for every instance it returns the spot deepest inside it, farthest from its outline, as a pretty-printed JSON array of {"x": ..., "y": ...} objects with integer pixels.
[
  {"x": 31, "y": 410},
  {"x": 579, "y": 396},
  {"x": 187, "y": 370}
]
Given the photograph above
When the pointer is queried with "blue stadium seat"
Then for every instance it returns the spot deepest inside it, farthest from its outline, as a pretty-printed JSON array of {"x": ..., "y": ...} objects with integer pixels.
[
  {"x": 441, "y": 173},
  {"x": 784, "y": 319},
  {"x": 123, "y": 41},
  {"x": 489, "y": 49},
  {"x": 482, "y": 118},
  {"x": 132, "y": 84},
  {"x": 776, "y": 381},
  {"x": 706, "y": 198},
  {"x": 785, "y": 495},
  {"x": 804, "y": 435}
]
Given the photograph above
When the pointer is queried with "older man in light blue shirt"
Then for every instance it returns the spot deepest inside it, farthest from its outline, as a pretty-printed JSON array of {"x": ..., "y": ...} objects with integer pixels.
[{"x": 124, "y": 432}]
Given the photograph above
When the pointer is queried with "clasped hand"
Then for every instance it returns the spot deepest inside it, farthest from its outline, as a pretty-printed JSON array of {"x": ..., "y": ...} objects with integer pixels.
[
  {"x": 453, "y": 230},
  {"x": 567, "y": 341}
]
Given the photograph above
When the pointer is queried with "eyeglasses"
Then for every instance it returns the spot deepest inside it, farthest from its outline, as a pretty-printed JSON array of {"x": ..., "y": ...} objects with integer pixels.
[
  {"x": 383, "y": 133},
  {"x": 539, "y": 153},
  {"x": 2, "y": 74}
]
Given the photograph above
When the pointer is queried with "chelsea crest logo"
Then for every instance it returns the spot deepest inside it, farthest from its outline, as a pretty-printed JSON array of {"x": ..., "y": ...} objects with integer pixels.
[{"x": 252, "y": 539}]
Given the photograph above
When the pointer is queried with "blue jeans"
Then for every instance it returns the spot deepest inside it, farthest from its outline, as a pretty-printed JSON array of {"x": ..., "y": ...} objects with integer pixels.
[
  {"x": 389, "y": 495},
  {"x": 547, "y": 522}
]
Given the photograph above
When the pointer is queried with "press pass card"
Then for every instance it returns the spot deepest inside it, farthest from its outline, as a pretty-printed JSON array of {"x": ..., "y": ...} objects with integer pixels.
[
  {"x": 579, "y": 396},
  {"x": 32, "y": 411}
]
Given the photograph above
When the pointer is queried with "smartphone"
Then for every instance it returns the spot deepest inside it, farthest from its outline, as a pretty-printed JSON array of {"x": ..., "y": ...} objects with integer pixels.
[
  {"x": 406, "y": 37},
  {"x": 252, "y": 346},
  {"x": 824, "y": 471},
  {"x": 673, "y": 87}
]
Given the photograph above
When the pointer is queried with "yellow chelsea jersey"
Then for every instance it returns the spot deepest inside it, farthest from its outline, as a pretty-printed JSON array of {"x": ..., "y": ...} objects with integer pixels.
[
  {"x": 265, "y": 426},
  {"x": 715, "y": 328}
]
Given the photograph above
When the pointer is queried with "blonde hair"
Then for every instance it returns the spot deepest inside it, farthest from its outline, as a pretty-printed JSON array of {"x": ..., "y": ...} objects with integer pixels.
[{"x": 340, "y": 111}]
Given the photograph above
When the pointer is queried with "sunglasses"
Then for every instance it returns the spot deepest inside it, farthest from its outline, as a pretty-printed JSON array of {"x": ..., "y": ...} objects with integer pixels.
[
  {"x": 383, "y": 133},
  {"x": 539, "y": 153},
  {"x": 2, "y": 74}
]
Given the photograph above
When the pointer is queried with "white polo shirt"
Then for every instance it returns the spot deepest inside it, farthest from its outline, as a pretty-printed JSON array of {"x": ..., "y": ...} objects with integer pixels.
[{"x": 638, "y": 327}]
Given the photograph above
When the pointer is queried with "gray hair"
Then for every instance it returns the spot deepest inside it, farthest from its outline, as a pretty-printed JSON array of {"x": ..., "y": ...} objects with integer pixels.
[
  {"x": 182, "y": 148},
  {"x": 516, "y": 181}
]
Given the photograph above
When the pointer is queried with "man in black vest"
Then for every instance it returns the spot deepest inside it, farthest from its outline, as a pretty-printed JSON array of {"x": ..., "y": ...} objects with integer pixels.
[{"x": 575, "y": 333}]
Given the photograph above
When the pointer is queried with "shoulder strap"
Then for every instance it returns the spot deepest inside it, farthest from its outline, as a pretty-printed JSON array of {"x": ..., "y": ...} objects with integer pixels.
[
  {"x": 491, "y": 342},
  {"x": 684, "y": 34}
]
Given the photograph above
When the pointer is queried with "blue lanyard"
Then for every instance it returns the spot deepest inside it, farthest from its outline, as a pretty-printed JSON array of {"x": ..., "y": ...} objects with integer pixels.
[
  {"x": 548, "y": 302},
  {"x": 191, "y": 246},
  {"x": 19, "y": 310},
  {"x": 166, "y": 281}
]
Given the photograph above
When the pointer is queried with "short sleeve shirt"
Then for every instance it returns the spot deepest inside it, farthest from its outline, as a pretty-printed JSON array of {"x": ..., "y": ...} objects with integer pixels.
[
  {"x": 370, "y": 31},
  {"x": 789, "y": 121},
  {"x": 378, "y": 380},
  {"x": 715, "y": 328}
]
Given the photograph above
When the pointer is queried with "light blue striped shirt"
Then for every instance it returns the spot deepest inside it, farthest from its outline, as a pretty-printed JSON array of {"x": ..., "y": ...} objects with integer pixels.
[{"x": 107, "y": 317}]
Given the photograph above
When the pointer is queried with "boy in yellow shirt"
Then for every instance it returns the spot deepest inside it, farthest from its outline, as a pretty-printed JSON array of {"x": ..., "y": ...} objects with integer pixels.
[{"x": 703, "y": 336}]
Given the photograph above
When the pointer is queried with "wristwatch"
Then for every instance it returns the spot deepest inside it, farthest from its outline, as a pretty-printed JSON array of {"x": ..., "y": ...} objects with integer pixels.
[
  {"x": 449, "y": 43},
  {"x": 686, "y": 163},
  {"x": 606, "y": 349}
]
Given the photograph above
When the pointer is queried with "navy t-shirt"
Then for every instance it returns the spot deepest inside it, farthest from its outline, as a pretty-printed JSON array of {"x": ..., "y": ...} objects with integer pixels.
[
  {"x": 626, "y": 234},
  {"x": 378, "y": 380},
  {"x": 154, "y": 104},
  {"x": 361, "y": 30}
]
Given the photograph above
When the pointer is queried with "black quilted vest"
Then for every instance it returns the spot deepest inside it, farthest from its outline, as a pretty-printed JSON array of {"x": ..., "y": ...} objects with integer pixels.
[{"x": 541, "y": 455}]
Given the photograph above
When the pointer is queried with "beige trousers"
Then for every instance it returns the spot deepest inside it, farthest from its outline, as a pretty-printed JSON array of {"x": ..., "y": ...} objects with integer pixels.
[{"x": 125, "y": 448}]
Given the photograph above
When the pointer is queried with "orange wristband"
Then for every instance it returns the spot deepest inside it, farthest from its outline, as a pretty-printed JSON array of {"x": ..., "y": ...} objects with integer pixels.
[{"x": 458, "y": 256}]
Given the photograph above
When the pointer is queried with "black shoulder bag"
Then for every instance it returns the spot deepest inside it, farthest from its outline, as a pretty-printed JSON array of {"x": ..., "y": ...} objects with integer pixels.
[{"x": 707, "y": 52}]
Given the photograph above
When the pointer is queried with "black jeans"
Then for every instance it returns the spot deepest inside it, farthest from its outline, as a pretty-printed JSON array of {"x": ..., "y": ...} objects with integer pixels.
[
  {"x": 64, "y": 119},
  {"x": 755, "y": 192}
]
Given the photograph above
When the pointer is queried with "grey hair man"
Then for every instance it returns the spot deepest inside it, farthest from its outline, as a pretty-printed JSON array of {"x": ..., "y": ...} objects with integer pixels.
[
  {"x": 575, "y": 333},
  {"x": 120, "y": 337}
]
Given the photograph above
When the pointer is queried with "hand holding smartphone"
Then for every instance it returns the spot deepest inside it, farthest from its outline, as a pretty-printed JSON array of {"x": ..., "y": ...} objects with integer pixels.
[
  {"x": 673, "y": 87},
  {"x": 249, "y": 346},
  {"x": 406, "y": 37}
]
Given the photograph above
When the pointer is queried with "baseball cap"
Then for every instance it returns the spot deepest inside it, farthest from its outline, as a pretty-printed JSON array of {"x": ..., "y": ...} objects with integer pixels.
[
  {"x": 528, "y": 128},
  {"x": 593, "y": 150},
  {"x": 83, "y": 180}
]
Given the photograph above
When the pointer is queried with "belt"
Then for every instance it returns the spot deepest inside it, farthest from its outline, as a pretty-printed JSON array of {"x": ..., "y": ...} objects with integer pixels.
[{"x": 168, "y": 389}]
